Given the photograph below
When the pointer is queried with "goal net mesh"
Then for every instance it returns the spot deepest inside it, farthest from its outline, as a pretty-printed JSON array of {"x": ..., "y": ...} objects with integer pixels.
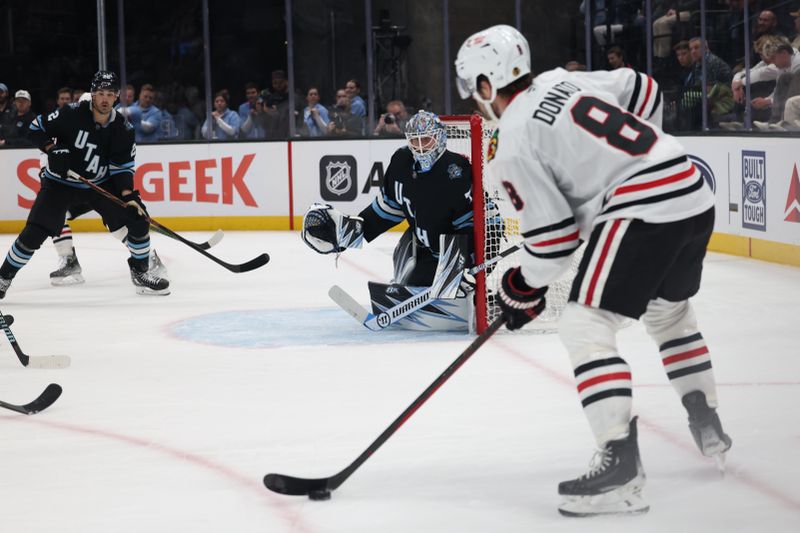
[{"x": 497, "y": 229}]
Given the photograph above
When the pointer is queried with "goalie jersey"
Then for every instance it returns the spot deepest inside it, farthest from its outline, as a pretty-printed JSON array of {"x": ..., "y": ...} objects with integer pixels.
[
  {"x": 576, "y": 149},
  {"x": 437, "y": 202}
]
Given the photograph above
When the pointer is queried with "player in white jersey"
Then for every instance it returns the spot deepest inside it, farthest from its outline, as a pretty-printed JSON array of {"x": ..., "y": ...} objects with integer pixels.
[{"x": 581, "y": 157}]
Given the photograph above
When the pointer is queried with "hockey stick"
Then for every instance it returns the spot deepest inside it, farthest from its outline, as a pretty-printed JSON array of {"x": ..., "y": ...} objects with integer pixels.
[
  {"x": 45, "y": 400},
  {"x": 253, "y": 264},
  {"x": 210, "y": 243},
  {"x": 319, "y": 488},
  {"x": 392, "y": 315},
  {"x": 33, "y": 361}
]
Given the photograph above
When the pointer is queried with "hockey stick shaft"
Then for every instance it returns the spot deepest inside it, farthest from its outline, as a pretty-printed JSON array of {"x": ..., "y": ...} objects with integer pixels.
[
  {"x": 299, "y": 486},
  {"x": 420, "y": 300},
  {"x": 254, "y": 263}
]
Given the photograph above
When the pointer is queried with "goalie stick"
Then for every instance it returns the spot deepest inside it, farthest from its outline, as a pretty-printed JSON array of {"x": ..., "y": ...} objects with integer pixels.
[
  {"x": 33, "y": 361},
  {"x": 45, "y": 400},
  {"x": 406, "y": 307},
  {"x": 253, "y": 264},
  {"x": 319, "y": 488}
]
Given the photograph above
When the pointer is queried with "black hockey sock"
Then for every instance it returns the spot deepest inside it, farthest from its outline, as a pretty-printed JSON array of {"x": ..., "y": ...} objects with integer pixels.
[{"x": 139, "y": 248}]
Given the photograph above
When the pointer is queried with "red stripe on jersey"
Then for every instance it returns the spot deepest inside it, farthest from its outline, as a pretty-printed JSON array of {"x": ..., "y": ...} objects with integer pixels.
[
  {"x": 655, "y": 183},
  {"x": 685, "y": 355},
  {"x": 603, "y": 254},
  {"x": 559, "y": 240},
  {"x": 602, "y": 379},
  {"x": 646, "y": 95}
]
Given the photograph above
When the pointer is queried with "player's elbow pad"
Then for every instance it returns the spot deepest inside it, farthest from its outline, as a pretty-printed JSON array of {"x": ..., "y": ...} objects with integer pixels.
[{"x": 326, "y": 230}]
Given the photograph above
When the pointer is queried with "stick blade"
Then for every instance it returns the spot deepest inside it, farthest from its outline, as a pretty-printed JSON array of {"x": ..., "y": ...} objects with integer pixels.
[
  {"x": 256, "y": 262},
  {"x": 49, "y": 361},
  {"x": 294, "y": 486},
  {"x": 348, "y": 304},
  {"x": 214, "y": 240},
  {"x": 50, "y": 394}
]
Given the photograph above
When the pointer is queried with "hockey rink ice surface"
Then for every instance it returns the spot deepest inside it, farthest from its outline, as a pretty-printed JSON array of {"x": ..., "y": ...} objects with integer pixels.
[{"x": 175, "y": 407}]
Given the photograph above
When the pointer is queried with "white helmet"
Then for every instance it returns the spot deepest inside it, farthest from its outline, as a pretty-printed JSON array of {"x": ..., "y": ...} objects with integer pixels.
[{"x": 500, "y": 53}]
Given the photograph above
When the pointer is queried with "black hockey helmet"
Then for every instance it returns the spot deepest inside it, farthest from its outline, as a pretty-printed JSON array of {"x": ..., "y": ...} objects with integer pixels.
[{"x": 105, "y": 80}]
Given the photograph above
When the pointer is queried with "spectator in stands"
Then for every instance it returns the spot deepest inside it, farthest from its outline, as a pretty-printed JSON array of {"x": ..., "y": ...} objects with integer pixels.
[
  {"x": 225, "y": 121},
  {"x": 16, "y": 131},
  {"x": 616, "y": 58},
  {"x": 618, "y": 14},
  {"x": 574, "y": 66},
  {"x": 343, "y": 122},
  {"x": 63, "y": 97},
  {"x": 684, "y": 57},
  {"x": 796, "y": 42},
  {"x": 315, "y": 116},
  {"x": 167, "y": 126},
  {"x": 126, "y": 97},
  {"x": 6, "y": 113},
  {"x": 787, "y": 61},
  {"x": 251, "y": 106},
  {"x": 145, "y": 117},
  {"x": 766, "y": 24},
  {"x": 393, "y": 122},
  {"x": 357, "y": 105},
  {"x": 666, "y": 14},
  {"x": 276, "y": 116},
  {"x": 717, "y": 70}
]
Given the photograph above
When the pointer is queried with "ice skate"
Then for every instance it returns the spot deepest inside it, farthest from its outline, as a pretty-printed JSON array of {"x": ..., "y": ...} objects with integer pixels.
[
  {"x": 68, "y": 271},
  {"x": 156, "y": 267},
  {"x": 613, "y": 484},
  {"x": 4, "y": 285},
  {"x": 706, "y": 428},
  {"x": 145, "y": 281}
]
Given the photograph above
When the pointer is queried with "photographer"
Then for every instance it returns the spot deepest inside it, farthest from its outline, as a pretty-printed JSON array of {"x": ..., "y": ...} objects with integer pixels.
[
  {"x": 393, "y": 122},
  {"x": 315, "y": 116},
  {"x": 343, "y": 123}
]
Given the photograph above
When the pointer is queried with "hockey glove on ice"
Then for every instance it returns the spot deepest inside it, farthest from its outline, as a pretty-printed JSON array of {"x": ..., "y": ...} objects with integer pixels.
[
  {"x": 58, "y": 160},
  {"x": 135, "y": 207},
  {"x": 327, "y": 231},
  {"x": 519, "y": 303}
]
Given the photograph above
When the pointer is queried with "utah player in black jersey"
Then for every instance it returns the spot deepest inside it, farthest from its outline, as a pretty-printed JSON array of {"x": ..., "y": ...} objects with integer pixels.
[
  {"x": 92, "y": 140},
  {"x": 426, "y": 185}
]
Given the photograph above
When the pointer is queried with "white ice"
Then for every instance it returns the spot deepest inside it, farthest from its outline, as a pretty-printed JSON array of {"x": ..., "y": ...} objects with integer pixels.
[{"x": 175, "y": 407}]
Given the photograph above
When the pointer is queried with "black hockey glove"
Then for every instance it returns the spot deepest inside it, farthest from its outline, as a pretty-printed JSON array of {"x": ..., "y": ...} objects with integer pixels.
[
  {"x": 58, "y": 160},
  {"x": 135, "y": 207},
  {"x": 519, "y": 303}
]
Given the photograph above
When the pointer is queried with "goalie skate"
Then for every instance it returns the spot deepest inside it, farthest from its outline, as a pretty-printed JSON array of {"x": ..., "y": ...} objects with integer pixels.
[
  {"x": 706, "y": 428},
  {"x": 69, "y": 271},
  {"x": 613, "y": 484}
]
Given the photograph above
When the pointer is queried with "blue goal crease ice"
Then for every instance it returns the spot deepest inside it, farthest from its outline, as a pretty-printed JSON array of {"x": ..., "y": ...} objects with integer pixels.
[{"x": 275, "y": 328}]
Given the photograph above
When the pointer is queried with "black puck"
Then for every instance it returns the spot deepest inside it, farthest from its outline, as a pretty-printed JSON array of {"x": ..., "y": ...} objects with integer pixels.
[{"x": 320, "y": 495}]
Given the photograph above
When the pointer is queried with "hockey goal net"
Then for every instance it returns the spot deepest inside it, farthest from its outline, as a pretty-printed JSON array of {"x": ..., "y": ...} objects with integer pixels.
[{"x": 496, "y": 229}]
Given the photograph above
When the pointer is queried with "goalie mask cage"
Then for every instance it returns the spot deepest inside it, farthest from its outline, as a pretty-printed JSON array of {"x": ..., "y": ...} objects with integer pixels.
[{"x": 496, "y": 229}]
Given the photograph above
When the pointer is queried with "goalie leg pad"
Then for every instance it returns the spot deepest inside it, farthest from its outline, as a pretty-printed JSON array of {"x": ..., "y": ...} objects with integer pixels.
[{"x": 438, "y": 315}]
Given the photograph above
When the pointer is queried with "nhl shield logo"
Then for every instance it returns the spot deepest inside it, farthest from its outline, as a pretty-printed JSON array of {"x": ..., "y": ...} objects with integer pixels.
[{"x": 338, "y": 176}]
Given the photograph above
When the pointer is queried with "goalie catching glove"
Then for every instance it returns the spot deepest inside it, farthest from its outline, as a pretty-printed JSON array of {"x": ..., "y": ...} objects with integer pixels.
[
  {"x": 519, "y": 303},
  {"x": 328, "y": 231}
]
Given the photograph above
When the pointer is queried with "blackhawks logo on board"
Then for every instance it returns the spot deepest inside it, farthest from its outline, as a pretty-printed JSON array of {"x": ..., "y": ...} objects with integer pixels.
[{"x": 492, "y": 146}]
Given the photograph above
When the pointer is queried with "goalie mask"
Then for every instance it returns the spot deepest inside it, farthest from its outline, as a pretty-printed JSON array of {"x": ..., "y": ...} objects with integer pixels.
[
  {"x": 427, "y": 139},
  {"x": 105, "y": 80},
  {"x": 500, "y": 53}
]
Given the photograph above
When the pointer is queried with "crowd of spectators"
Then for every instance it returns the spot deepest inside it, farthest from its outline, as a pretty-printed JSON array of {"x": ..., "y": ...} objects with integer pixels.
[
  {"x": 678, "y": 53},
  {"x": 176, "y": 113}
]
